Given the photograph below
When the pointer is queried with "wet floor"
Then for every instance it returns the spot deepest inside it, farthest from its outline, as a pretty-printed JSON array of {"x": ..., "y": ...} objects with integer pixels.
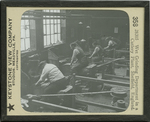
[{"x": 106, "y": 98}]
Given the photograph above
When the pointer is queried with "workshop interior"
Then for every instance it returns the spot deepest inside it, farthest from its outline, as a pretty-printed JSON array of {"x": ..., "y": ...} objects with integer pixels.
[{"x": 75, "y": 61}]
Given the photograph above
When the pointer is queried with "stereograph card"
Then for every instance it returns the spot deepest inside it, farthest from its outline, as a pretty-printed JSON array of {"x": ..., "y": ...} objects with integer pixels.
[{"x": 73, "y": 60}]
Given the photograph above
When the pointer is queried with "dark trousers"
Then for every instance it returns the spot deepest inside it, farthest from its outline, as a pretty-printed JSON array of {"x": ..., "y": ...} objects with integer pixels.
[
  {"x": 56, "y": 86},
  {"x": 78, "y": 68}
]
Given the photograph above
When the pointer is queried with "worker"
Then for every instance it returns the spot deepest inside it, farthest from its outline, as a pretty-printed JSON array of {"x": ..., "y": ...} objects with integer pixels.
[
  {"x": 52, "y": 79},
  {"x": 78, "y": 59},
  {"x": 81, "y": 43},
  {"x": 111, "y": 43},
  {"x": 98, "y": 51},
  {"x": 111, "y": 46},
  {"x": 109, "y": 51}
]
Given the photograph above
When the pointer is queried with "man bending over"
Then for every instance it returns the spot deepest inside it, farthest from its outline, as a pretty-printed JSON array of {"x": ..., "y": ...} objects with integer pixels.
[{"x": 52, "y": 79}]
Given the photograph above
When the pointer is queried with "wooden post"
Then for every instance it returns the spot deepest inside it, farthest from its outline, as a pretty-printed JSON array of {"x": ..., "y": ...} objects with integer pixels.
[{"x": 39, "y": 33}]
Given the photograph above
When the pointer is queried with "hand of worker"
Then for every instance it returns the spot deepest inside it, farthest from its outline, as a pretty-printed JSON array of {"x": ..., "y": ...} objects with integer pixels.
[
  {"x": 44, "y": 84},
  {"x": 36, "y": 83},
  {"x": 24, "y": 103}
]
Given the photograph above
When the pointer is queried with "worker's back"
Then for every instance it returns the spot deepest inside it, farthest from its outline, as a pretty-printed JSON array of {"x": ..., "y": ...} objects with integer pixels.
[{"x": 52, "y": 72}]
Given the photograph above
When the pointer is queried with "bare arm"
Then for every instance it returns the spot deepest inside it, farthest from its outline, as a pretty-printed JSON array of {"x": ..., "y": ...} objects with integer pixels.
[
  {"x": 106, "y": 47},
  {"x": 39, "y": 81},
  {"x": 42, "y": 77},
  {"x": 94, "y": 52},
  {"x": 75, "y": 52},
  {"x": 109, "y": 43}
]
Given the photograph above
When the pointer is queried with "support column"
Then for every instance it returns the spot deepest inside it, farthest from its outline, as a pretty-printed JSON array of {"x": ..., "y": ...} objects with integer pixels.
[{"x": 39, "y": 33}]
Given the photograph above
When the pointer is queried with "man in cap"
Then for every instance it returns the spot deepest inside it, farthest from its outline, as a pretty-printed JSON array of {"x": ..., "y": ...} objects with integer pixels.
[{"x": 52, "y": 79}]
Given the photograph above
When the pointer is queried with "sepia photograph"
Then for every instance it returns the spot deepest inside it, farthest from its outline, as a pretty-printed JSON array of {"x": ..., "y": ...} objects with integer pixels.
[{"x": 75, "y": 61}]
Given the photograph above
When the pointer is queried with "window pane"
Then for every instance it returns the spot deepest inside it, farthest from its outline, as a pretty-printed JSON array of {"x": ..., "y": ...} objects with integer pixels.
[
  {"x": 58, "y": 11},
  {"x": 51, "y": 20},
  {"x": 56, "y": 38},
  {"x": 26, "y": 22},
  {"x": 59, "y": 37},
  {"x": 44, "y": 28},
  {"x": 58, "y": 28},
  {"x": 55, "y": 20},
  {"x": 22, "y": 45},
  {"x": 22, "y": 22},
  {"x": 43, "y": 21},
  {"x": 44, "y": 40},
  {"x": 27, "y": 33},
  {"x": 48, "y": 29},
  {"x": 52, "y": 29},
  {"x": 58, "y": 21},
  {"x": 52, "y": 39},
  {"x": 55, "y": 28},
  {"x": 22, "y": 33},
  {"x": 47, "y": 20},
  {"x": 116, "y": 30},
  {"x": 27, "y": 42},
  {"x": 48, "y": 39}
]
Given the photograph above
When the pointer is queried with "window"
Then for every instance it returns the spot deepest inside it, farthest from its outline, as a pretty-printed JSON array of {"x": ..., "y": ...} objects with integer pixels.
[
  {"x": 25, "y": 34},
  {"x": 28, "y": 35},
  {"x": 116, "y": 30},
  {"x": 51, "y": 28}
]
